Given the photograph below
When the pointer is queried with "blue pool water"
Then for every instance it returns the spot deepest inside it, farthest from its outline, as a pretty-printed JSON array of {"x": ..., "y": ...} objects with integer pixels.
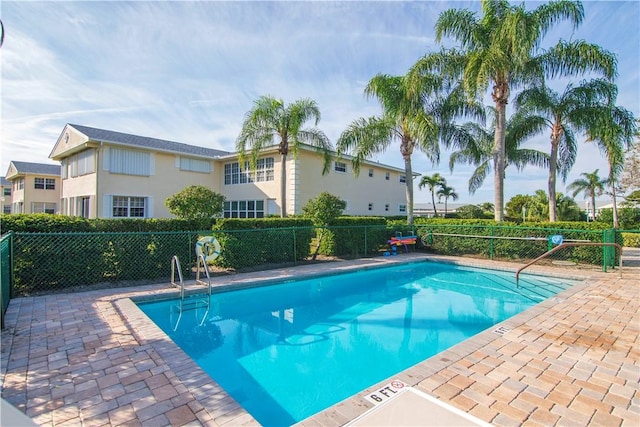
[{"x": 287, "y": 351}]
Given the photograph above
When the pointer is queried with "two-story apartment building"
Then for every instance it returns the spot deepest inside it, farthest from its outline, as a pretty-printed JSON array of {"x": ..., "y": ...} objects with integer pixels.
[
  {"x": 5, "y": 195},
  {"x": 109, "y": 174},
  {"x": 35, "y": 187}
]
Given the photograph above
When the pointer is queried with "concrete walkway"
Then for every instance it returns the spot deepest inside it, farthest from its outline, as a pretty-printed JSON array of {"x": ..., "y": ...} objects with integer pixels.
[{"x": 92, "y": 358}]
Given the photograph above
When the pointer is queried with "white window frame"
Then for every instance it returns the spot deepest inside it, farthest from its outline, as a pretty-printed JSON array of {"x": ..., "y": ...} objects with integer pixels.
[
  {"x": 340, "y": 167},
  {"x": 243, "y": 209},
  {"x": 402, "y": 208},
  {"x": 43, "y": 207},
  {"x": 370, "y": 206},
  {"x": 126, "y": 204},
  {"x": 402, "y": 179},
  {"x": 370, "y": 172},
  {"x": 387, "y": 176}
]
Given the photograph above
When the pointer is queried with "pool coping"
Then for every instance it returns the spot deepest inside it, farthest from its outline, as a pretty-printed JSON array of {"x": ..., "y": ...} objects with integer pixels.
[{"x": 208, "y": 404}]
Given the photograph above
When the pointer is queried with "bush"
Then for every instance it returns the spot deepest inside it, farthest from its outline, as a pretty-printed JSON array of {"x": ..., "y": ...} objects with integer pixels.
[{"x": 245, "y": 244}]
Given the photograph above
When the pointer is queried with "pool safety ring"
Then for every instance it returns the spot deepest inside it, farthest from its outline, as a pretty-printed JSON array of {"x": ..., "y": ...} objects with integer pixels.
[{"x": 209, "y": 247}]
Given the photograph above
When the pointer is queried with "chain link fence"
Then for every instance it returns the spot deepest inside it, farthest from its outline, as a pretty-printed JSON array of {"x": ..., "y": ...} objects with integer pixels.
[{"x": 49, "y": 262}]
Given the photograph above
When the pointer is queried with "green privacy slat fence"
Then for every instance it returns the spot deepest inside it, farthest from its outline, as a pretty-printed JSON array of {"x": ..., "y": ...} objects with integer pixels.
[
  {"x": 46, "y": 262},
  {"x": 6, "y": 273}
]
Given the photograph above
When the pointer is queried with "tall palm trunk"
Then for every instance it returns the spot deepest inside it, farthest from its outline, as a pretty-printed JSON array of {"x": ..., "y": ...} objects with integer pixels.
[
  {"x": 283, "y": 186},
  {"x": 616, "y": 224},
  {"x": 593, "y": 206},
  {"x": 500, "y": 97},
  {"x": 409, "y": 188},
  {"x": 406, "y": 149},
  {"x": 553, "y": 169}
]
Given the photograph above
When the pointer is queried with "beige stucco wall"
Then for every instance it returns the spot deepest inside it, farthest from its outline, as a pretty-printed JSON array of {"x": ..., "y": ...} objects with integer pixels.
[
  {"x": 358, "y": 191},
  {"x": 29, "y": 194},
  {"x": 166, "y": 179}
]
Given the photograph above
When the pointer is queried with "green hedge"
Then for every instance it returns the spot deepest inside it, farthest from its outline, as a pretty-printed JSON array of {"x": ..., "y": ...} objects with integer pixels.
[
  {"x": 47, "y": 223},
  {"x": 509, "y": 240},
  {"x": 252, "y": 242},
  {"x": 353, "y": 237},
  {"x": 48, "y": 261}
]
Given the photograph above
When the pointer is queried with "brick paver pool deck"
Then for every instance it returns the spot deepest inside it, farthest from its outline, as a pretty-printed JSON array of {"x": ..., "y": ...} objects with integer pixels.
[{"x": 92, "y": 358}]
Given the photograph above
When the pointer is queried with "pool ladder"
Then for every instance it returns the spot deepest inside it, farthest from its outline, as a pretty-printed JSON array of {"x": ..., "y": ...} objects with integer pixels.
[{"x": 191, "y": 303}]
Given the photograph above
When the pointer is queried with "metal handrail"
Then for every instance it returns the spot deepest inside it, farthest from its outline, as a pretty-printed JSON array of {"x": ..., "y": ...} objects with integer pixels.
[
  {"x": 175, "y": 262},
  {"x": 564, "y": 245}
]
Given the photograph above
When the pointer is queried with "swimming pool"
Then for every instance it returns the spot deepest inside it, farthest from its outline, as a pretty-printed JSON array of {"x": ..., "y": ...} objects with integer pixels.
[{"x": 288, "y": 351}]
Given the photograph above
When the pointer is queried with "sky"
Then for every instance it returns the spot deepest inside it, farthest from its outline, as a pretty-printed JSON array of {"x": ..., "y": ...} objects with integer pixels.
[{"x": 189, "y": 71}]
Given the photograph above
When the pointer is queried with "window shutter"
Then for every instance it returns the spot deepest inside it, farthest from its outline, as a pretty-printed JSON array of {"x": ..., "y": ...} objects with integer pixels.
[
  {"x": 106, "y": 206},
  {"x": 149, "y": 208}
]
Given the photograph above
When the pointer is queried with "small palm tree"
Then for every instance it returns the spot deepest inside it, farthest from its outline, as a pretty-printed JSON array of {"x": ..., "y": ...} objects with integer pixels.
[
  {"x": 417, "y": 111},
  {"x": 590, "y": 185},
  {"x": 270, "y": 118},
  {"x": 478, "y": 150},
  {"x": 447, "y": 193},
  {"x": 433, "y": 181},
  {"x": 613, "y": 131},
  {"x": 501, "y": 48},
  {"x": 565, "y": 113}
]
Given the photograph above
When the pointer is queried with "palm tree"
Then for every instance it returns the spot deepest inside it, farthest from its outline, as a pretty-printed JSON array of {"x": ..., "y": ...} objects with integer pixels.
[
  {"x": 613, "y": 131},
  {"x": 447, "y": 192},
  {"x": 590, "y": 185},
  {"x": 433, "y": 181},
  {"x": 478, "y": 150},
  {"x": 417, "y": 111},
  {"x": 501, "y": 48},
  {"x": 270, "y": 118},
  {"x": 573, "y": 110}
]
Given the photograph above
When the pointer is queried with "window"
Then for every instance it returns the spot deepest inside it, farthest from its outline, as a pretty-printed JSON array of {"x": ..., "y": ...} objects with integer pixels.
[
  {"x": 387, "y": 176},
  {"x": 79, "y": 164},
  {"x": 370, "y": 206},
  {"x": 403, "y": 179},
  {"x": 264, "y": 172},
  {"x": 386, "y": 207},
  {"x": 370, "y": 173},
  {"x": 6, "y": 191},
  {"x": 6, "y": 209},
  {"x": 18, "y": 184},
  {"x": 402, "y": 208},
  {"x": 129, "y": 162},
  {"x": 244, "y": 209},
  {"x": 45, "y": 183},
  {"x": 340, "y": 167},
  {"x": 128, "y": 207},
  {"x": 195, "y": 165},
  {"x": 43, "y": 207}
]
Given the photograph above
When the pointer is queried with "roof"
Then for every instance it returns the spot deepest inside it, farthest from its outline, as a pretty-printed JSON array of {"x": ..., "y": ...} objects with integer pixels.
[
  {"x": 36, "y": 168},
  {"x": 5, "y": 182},
  {"x": 145, "y": 142}
]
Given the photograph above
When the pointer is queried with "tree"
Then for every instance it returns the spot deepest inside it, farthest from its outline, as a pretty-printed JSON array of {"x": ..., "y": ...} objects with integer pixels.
[
  {"x": 590, "y": 185},
  {"x": 478, "y": 150},
  {"x": 565, "y": 114},
  {"x": 613, "y": 131},
  {"x": 516, "y": 203},
  {"x": 501, "y": 48},
  {"x": 269, "y": 119},
  {"x": 418, "y": 110},
  {"x": 472, "y": 211},
  {"x": 446, "y": 192},
  {"x": 323, "y": 210},
  {"x": 433, "y": 181},
  {"x": 195, "y": 202},
  {"x": 630, "y": 176}
]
